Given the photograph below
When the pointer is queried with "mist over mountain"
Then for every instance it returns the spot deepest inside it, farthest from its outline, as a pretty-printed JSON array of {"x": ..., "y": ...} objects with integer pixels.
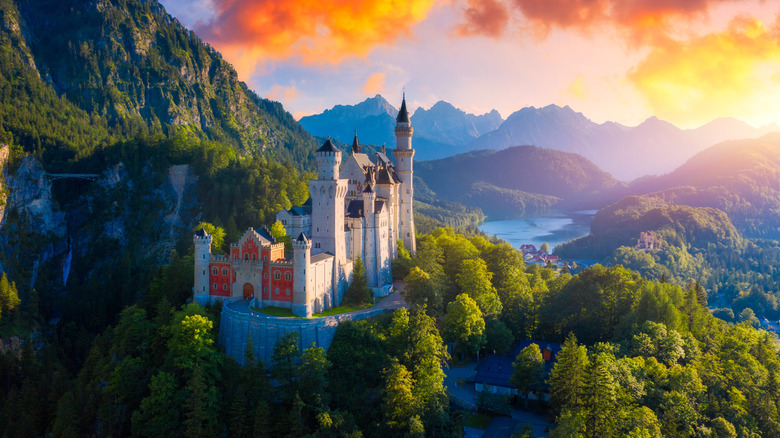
[{"x": 654, "y": 147}]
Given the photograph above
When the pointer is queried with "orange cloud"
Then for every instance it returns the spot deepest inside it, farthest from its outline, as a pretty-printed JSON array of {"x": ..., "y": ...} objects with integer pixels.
[
  {"x": 315, "y": 31},
  {"x": 641, "y": 19},
  {"x": 710, "y": 76},
  {"x": 283, "y": 94},
  {"x": 484, "y": 17},
  {"x": 375, "y": 84}
]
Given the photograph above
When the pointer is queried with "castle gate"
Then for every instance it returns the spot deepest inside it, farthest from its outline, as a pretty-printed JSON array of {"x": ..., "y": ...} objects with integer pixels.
[{"x": 249, "y": 291}]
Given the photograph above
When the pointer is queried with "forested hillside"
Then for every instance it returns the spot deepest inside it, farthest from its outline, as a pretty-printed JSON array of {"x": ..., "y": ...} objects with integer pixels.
[
  {"x": 85, "y": 71},
  {"x": 717, "y": 216},
  {"x": 519, "y": 181}
]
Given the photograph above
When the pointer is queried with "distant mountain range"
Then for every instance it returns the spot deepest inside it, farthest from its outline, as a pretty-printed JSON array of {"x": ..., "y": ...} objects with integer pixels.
[
  {"x": 440, "y": 131},
  {"x": 654, "y": 147}
]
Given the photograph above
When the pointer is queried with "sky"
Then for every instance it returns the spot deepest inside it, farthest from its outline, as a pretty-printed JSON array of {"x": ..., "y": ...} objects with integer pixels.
[{"x": 684, "y": 61}]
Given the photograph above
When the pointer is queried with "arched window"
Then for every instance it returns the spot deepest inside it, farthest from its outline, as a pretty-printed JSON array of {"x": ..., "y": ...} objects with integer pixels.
[
  {"x": 287, "y": 276},
  {"x": 277, "y": 291},
  {"x": 265, "y": 276},
  {"x": 215, "y": 271},
  {"x": 246, "y": 256},
  {"x": 277, "y": 275},
  {"x": 215, "y": 286},
  {"x": 287, "y": 292},
  {"x": 224, "y": 287},
  {"x": 224, "y": 271},
  {"x": 254, "y": 256}
]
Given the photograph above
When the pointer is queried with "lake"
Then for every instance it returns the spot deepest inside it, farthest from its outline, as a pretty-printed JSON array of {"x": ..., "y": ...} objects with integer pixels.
[{"x": 554, "y": 228}]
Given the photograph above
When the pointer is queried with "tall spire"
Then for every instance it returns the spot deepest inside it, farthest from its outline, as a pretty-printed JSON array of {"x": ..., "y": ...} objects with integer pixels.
[
  {"x": 403, "y": 114},
  {"x": 356, "y": 148}
]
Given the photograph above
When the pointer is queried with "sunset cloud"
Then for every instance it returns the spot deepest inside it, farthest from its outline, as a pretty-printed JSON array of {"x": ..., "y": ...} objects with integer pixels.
[
  {"x": 484, "y": 17},
  {"x": 316, "y": 32},
  {"x": 577, "y": 89},
  {"x": 375, "y": 84},
  {"x": 283, "y": 94},
  {"x": 710, "y": 76}
]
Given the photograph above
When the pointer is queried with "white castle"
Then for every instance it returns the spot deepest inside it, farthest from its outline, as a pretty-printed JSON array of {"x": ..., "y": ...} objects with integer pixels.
[{"x": 358, "y": 210}]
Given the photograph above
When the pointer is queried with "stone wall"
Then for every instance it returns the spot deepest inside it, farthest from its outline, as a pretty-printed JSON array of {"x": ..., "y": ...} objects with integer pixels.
[{"x": 236, "y": 327}]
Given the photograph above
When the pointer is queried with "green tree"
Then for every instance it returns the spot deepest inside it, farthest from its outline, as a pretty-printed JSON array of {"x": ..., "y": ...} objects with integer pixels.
[
  {"x": 421, "y": 290},
  {"x": 280, "y": 234},
  {"x": 528, "y": 369},
  {"x": 464, "y": 325},
  {"x": 358, "y": 291},
  {"x": 398, "y": 402},
  {"x": 600, "y": 398},
  {"x": 9, "y": 296},
  {"x": 285, "y": 360},
  {"x": 313, "y": 377},
  {"x": 499, "y": 338},
  {"x": 544, "y": 247},
  {"x": 474, "y": 279},
  {"x": 158, "y": 414},
  {"x": 200, "y": 406},
  {"x": 217, "y": 236},
  {"x": 567, "y": 378}
]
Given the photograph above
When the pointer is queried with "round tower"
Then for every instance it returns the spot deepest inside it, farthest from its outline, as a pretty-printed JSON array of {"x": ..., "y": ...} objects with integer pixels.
[
  {"x": 202, "y": 241},
  {"x": 328, "y": 161},
  {"x": 404, "y": 156},
  {"x": 303, "y": 294}
]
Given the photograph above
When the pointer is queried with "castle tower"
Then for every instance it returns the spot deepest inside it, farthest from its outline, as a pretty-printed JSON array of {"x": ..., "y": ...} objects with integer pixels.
[
  {"x": 327, "y": 210},
  {"x": 303, "y": 293},
  {"x": 404, "y": 155},
  {"x": 200, "y": 290},
  {"x": 369, "y": 230}
]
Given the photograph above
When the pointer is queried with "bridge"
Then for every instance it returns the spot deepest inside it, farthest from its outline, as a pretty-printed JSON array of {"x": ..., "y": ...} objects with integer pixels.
[{"x": 89, "y": 176}]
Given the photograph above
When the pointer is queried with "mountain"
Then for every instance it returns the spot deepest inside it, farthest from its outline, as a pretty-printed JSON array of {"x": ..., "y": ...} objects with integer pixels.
[
  {"x": 440, "y": 131},
  {"x": 740, "y": 177},
  {"x": 519, "y": 180},
  {"x": 652, "y": 148},
  {"x": 127, "y": 66},
  {"x": 374, "y": 120}
]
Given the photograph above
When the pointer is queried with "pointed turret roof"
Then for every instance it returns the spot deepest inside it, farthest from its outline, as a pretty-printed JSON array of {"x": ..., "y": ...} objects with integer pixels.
[
  {"x": 201, "y": 233},
  {"x": 356, "y": 148},
  {"x": 328, "y": 147},
  {"x": 301, "y": 238},
  {"x": 403, "y": 114}
]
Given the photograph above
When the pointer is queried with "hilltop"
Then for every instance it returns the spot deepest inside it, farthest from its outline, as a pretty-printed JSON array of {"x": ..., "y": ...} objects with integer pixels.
[{"x": 519, "y": 181}]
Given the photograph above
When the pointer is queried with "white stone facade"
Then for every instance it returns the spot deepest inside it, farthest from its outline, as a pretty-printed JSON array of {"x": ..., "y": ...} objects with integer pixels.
[{"x": 355, "y": 210}]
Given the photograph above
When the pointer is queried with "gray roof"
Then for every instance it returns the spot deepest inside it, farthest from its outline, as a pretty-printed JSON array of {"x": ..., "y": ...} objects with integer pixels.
[
  {"x": 320, "y": 257},
  {"x": 497, "y": 369},
  {"x": 403, "y": 114},
  {"x": 328, "y": 147},
  {"x": 363, "y": 160},
  {"x": 201, "y": 233},
  {"x": 299, "y": 211}
]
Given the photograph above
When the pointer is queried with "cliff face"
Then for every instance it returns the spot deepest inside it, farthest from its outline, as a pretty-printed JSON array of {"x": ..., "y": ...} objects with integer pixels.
[{"x": 29, "y": 192}]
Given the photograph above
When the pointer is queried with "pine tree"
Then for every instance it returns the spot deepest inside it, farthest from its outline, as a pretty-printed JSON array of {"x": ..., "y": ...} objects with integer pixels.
[
  {"x": 567, "y": 378},
  {"x": 358, "y": 291},
  {"x": 600, "y": 398},
  {"x": 200, "y": 406}
]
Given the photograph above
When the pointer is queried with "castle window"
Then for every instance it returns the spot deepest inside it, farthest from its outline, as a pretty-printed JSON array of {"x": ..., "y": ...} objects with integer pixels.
[
  {"x": 287, "y": 292},
  {"x": 224, "y": 271},
  {"x": 277, "y": 291},
  {"x": 265, "y": 258},
  {"x": 224, "y": 287},
  {"x": 215, "y": 285},
  {"x": 287, "y": 276},
  {"x": 265, "y": 276},
  {"x": 250, "y": 246},
  {"x": 254, "y": 256},
  {"x": 277, "y": 275},
  {"x": 215, "y": 271},
  {"x": 246, "y": 256}
]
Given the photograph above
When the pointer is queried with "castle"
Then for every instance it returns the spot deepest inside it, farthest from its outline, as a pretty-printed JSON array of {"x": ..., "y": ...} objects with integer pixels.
[{"x": 358, "y": 210}]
